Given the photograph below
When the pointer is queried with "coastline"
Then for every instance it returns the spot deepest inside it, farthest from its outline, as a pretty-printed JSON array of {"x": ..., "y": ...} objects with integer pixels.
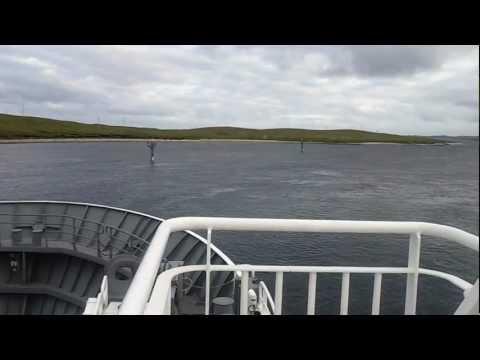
[{"x": 90, "y": 140}]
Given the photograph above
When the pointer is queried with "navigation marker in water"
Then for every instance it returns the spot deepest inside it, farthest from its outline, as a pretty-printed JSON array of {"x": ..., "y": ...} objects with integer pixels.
[
  {"x": 151, "y": 145},
  {"x": 301, "y": 145}
]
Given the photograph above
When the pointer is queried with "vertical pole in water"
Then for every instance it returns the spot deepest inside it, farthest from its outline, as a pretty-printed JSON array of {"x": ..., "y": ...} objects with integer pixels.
[
  {"x": 301, "y": 145},
  {"x": 151, "y": 145}
]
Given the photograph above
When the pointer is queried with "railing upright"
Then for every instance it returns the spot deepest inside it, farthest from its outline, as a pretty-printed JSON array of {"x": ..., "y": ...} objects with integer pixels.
[
  {"x": 244, "y": 294},
  {"x": 412, "y": 277},
  {"x": 377, "y": 292},
  {"x": 278, "y": 293},
  {"x": 168, "y": 303},
  {"x": 345, "y": 291},
  {"x": 207, "y": 273},
  {"x": 312, "y": 286}
]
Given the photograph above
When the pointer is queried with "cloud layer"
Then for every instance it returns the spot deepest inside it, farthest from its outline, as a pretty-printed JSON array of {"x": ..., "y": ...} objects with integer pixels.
[{"x": 425, "y": 90}]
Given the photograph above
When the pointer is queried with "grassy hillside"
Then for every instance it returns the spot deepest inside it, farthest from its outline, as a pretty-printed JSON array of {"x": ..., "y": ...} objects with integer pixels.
[{"x": 23, "y": 127}]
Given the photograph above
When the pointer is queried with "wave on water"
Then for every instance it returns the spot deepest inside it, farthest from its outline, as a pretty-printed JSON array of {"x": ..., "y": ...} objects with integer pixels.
[
  {"x": 214, "y": 192},
  {"x": 326, "y": 173}
]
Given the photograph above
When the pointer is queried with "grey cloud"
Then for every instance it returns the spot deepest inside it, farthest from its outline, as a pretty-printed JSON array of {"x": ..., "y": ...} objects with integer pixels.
[
  {"x": 394, "y": 60},
  {"x": 399, "y": 89},
  {"x": 375, "y": 60}
]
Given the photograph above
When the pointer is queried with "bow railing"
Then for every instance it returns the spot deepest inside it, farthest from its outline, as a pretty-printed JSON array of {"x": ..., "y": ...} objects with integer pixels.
[{"x": 146, "y": 288}]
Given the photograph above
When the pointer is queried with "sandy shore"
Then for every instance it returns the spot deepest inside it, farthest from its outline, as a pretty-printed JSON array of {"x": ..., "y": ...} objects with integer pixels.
[
  {"x": 79, "y": 140},
  {"x": 87, "y": 140}
]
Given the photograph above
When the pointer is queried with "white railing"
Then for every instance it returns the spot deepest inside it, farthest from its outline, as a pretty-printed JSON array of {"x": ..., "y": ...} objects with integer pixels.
[
  {"x": 140, "y": 290},
  {"x": 160, "y": 300},
  {"x": 97, "y": 306},
  {"x": 265, "y": 300}
]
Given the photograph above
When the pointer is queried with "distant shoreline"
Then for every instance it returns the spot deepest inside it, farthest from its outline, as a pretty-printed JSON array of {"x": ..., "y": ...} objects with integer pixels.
[
  {"x": 90, "y": 140},
  {"x": 24, "y": 129}
]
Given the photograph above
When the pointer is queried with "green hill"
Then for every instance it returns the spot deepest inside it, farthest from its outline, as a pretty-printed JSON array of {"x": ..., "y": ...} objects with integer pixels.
[{"x": 23, "y": 127}]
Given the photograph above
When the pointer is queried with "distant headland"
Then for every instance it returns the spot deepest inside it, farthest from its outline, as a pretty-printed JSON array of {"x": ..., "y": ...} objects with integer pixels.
[{"x": 15, "y": 128}]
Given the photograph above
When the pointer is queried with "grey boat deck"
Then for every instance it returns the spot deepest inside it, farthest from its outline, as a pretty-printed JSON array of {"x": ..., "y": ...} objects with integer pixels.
[{"x": 53, "y": 256}]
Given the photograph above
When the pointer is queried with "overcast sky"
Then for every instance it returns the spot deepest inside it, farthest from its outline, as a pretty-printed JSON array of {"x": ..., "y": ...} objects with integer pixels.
[{"x": 425, "y": 90}]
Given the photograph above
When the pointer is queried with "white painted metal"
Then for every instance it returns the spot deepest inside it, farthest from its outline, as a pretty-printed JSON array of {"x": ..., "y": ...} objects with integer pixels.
[
  {"x": 97, "y": 306},
  {"x": 112, "y": 308},
  {"x": 168, "y": 303},
  {"x": 345, "y": 291},
  {"x": 160, "y": 285},
  {"x": 265, "y": 299},
  {"x": 278, "y": 293},
  {"x": 262, "y": 300},
  {"x": 377, "y": 292},
  {"x": 469, "y": 305},
  {"x": 215, "y": 249},
  {"x": 141, "y": 287},
  {"x": 462, "y": 284},
  {"x": 207, "y": 274},
  {"x": 244, "y": 294},
  {"x": 158, "y": 301},
  {"x": 412, "y": 278},
  {"x": 90, "y": 307},
  {"x": 312, "y": 288},
  {"x": 252, "y": 299}
]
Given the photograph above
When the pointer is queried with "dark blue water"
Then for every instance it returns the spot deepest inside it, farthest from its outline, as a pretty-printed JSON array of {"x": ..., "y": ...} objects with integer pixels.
[{"x": 348, "y": 182}]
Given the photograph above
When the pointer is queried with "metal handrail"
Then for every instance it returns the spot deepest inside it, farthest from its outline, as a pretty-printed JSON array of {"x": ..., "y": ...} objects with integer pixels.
[
  {"x": 87, "y": 240},
  {"x": 81, "y": 204},
  {"x": 82, "y": 220},
  {"x": 262, "y": 288},
  {"x": 159, "y": 299},
  {"x": 103, "y": 229},
  {"x": 141, "y": 214},
  {"x": 143, "y": 282}
]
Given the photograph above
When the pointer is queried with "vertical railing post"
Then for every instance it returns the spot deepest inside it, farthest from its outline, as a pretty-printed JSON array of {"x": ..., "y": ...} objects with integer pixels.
[
  {"x": 278, "y": 293},
  {"x": 263, "y": 297},
  {"x": 207, "y": 274},
  {"x": 412, "y": 277},
  {"x": 244, "y": 294},
  {"x": 105, "y": 293},
  {"x": 312, "y": 286},
  {"x": 345, "y": 291},
  {"x": 377, "y": 291},
  {"x": 168, "y": 305}
]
